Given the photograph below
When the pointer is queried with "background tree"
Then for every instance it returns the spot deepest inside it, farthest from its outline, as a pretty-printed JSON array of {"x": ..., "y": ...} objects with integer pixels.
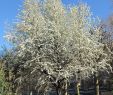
[{"x": 4, "y": 86}]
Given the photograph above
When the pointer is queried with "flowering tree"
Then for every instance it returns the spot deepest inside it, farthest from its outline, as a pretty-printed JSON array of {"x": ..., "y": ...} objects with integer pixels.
[{"x": 54, "y": 44}]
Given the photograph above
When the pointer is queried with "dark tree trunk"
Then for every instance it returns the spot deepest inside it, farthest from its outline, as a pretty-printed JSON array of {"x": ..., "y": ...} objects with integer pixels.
[{"x": 57, "y": 90}]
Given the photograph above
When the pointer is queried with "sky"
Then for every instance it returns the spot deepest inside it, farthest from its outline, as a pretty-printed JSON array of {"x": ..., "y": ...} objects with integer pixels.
[{"x": 9, "y": 10}]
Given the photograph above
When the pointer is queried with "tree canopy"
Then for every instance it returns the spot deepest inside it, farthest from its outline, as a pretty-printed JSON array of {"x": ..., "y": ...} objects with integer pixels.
[{"x": 54, "y": 43}]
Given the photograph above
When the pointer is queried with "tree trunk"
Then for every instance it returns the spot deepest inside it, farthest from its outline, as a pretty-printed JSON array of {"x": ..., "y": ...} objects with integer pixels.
[
  {"x": 34, "y": 92},
  {"x": 96, "y": 85},
  {"x": 78, "y": 88},
  {"x": 57, "y": 91},
  {"x": 66, "y": 92}
]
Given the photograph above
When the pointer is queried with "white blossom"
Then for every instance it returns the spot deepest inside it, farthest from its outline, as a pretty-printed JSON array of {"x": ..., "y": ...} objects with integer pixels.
[{"x": 58, "y": 41}]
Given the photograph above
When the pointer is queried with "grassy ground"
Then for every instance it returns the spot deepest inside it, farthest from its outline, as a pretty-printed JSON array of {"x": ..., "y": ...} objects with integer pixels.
[{"x": 107, "y": 93}]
